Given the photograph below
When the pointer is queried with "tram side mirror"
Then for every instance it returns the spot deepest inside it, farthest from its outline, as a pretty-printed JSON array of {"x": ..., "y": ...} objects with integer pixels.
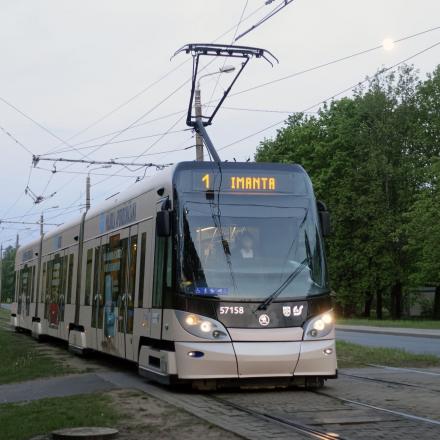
[
  {"x": 163, "y": 223},
  {"x": 324, "y": 218}
]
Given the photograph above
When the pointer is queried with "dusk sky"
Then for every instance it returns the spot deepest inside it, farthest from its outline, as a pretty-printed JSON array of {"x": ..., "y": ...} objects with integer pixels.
[{"x": 66, "y": 65}]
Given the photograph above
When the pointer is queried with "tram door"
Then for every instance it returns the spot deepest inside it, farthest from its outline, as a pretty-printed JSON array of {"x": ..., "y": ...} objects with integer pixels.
[
  {"x": 114, "y": 306},
  {"x": 126, "y": 302},
  {"x": 98, "y": 293}
]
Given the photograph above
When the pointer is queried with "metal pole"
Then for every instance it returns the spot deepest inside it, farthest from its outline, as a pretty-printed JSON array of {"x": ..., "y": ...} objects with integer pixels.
[
  {"x": 87, "y": 192},
  {"x": 17, "y": 242},
  {"x": 198, "y": 112},
  {"x": 41, "y": 225},
  {"x": 209, "y": 145}
]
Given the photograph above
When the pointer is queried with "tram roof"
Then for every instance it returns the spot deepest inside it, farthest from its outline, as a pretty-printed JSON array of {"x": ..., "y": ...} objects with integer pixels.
[{"x": 161, "y": 179}]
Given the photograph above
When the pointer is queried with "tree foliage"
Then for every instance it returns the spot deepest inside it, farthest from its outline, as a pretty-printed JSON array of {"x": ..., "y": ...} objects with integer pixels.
[
  {"x": 7, "y": 274},
  {"x": 369, "y": 158}
]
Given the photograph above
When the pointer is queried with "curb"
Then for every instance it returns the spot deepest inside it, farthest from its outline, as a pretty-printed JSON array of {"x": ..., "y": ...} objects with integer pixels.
[{"x": 391, "y": 331}]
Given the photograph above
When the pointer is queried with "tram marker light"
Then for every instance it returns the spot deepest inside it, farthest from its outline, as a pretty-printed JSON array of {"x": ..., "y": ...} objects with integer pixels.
[
  {"x": 319, "y": 325},
  {"x": 196, "y": 354},
  {"x": 206, "y": 326},
  {"x": 191, "y": 320}
]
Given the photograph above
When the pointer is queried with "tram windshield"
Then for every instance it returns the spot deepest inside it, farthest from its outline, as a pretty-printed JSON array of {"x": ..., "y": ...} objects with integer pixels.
[{"x": 246, "y": 251}]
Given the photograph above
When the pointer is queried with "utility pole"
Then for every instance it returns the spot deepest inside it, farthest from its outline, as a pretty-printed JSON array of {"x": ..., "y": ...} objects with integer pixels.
[
  {"x": 88, "y": 192},
  {"x": 17, "y": 242},
  {"x": 198, "y": 113},
  {"x": 198, "y": 107}
]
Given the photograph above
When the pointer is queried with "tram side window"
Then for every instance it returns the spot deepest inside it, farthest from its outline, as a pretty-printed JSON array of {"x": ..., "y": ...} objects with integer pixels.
[
  {"x": 111, "y": 282},
  {"x": 32, "y": 283},
  {"x": 96, "y": 269},
  {"x": 69, "y": 283},
  {"x": 132, "y": 268},
  {"x": 88, "y": 277},
  {"x": 43, "y": 282},
  {"x": 64, "y": 278},
  {"x": 142, "y": 269},
  {"x": 124, "y": 283},
  {"x": 162, "y": 269},
  {"x": 17, "y": 279},
  {"x": 47, "y": 290},
  {"x": 131, "y": 283}
]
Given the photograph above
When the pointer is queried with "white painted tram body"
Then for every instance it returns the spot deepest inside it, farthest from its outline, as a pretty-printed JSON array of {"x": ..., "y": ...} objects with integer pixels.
[{"x": 176, "y": 274}]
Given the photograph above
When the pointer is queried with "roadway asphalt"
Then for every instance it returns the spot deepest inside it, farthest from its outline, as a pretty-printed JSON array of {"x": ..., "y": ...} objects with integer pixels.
[{"x": 412, "y": 344}]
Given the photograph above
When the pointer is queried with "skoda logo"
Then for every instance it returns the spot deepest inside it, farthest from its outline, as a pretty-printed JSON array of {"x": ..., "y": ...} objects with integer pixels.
[{"x": 264, "y": 320}]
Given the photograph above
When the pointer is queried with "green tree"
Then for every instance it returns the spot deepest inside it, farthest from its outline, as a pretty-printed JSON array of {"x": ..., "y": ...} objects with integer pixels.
[
  {"x": 8, "y": 274},
  {"x": 360, "y": 152},
  {"x": 423, "y": 230},
  {"x": 423, "y": 226}
]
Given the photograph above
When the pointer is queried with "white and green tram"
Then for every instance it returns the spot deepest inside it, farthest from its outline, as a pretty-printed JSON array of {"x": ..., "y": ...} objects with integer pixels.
[{"x": 212, "y": 273}]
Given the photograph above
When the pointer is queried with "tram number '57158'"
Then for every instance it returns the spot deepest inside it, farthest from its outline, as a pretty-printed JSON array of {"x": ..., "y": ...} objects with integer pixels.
[{"x": 230, "y": 310}]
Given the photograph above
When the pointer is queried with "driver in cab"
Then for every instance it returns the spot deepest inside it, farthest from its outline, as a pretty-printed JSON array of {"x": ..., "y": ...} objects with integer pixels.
[{"x": 247, "y": 247}]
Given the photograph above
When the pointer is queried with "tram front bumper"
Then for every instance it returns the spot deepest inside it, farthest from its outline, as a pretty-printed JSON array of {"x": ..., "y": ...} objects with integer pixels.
[{"x": 231, "y": 360}]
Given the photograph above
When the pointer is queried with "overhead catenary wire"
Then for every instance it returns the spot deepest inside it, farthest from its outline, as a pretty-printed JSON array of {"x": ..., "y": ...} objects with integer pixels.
[
  {"x": 131, "y": 125},
  {"x": 275, "y": 11},
  {"x": 19, "y": 143},
  {"x": 331, "y": 62},
  {"x": 353, "y": 86},
  {"x": 155, "y": 82},
  {"x": 153, "y": 153}
]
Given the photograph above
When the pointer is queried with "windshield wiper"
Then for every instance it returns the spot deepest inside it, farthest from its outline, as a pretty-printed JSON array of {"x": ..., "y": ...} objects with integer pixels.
[{"x": 280, "y": 289}]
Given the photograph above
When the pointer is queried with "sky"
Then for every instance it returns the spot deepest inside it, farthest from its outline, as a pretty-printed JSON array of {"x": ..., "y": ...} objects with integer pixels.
[{"x": 76, "y": 71}]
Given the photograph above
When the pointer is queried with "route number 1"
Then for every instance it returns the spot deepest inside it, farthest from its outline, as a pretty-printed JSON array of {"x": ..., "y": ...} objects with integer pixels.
[{"x": 206, "y": 181}]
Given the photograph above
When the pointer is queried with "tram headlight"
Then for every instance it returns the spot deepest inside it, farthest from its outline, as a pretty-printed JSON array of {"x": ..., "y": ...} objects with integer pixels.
[
  {"x": 319, "y": 326},
  {"x": 202, "y": 327}
]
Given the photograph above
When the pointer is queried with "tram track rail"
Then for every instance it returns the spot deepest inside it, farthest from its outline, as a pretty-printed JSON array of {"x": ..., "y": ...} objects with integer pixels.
[
  {"x": 401, "y": 414},
  {"x": 300, "y": 428},
  {"x": 388, "y": 382}
]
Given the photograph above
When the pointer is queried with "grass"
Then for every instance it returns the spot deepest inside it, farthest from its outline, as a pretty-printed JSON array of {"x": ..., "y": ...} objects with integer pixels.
[
  {"x": 20, "y": 358},
  {"x": 21, "y": 421},
  {"x": 355, "y": 356},
  {"x": 391, "y": 323}
]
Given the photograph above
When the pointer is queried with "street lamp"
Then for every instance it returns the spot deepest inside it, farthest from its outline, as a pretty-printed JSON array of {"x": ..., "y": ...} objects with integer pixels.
[{"x": 198, "y": 107}]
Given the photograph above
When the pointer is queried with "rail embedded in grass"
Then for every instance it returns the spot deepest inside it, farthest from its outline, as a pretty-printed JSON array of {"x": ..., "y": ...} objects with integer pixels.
[{"x": 353, "y": 356}]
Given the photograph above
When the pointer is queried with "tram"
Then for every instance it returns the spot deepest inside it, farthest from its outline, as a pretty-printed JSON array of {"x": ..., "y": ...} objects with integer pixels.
[{"x": 206, "y": 273}]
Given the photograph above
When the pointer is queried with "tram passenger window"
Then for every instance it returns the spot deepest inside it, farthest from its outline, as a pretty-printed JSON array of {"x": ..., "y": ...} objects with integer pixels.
[
  {"x": 47, "y": 290},
  {"x": 43, "y": 282},
  {"x": 162, "y": 269},
  {"x": 69, "y": 283},
  {"x": 33, "y": 284},
  {"x": 96, "y": 285},
  {"x": 97, "y": 299},
  {"x": 142, "y": 269},
  {"x": 124, "y": 282},
  {"x": 89, "y": 262},
  {"x": 111, "y": 284},
  {"x": 131, "y": 283},
  {"x": 64, "y": 285}
]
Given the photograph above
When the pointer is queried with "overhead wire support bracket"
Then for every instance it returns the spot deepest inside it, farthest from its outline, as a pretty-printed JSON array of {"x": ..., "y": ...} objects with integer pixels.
[
  {"x": 217, "y": 50},
  {"x": 36, "y": 160}
]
